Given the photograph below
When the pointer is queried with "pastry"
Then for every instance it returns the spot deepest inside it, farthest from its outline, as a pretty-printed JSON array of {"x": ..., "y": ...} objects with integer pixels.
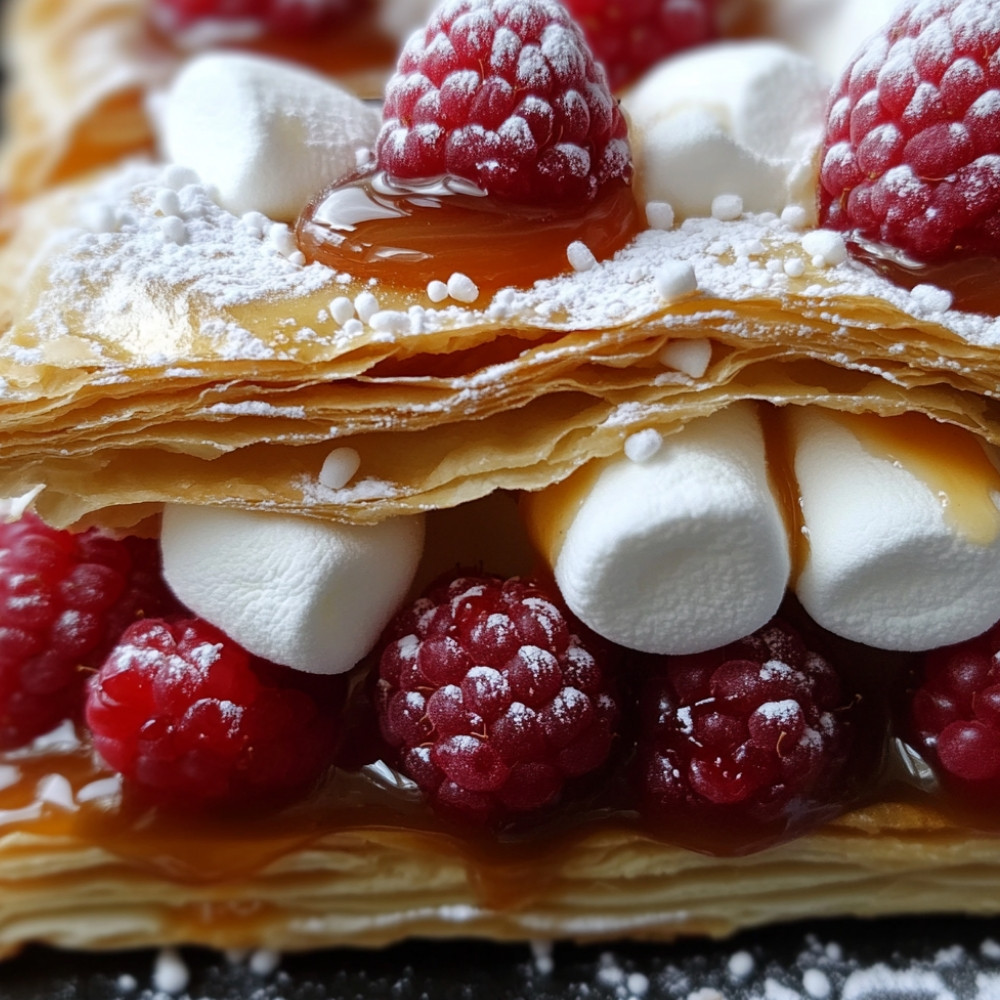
[
  {"x": 738, "y": 441},
  {"x": 82, "y": 74}
]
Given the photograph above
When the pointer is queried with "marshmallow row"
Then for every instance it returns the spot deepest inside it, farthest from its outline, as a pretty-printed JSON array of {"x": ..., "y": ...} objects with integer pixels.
[{"x": 687, "y": 549}]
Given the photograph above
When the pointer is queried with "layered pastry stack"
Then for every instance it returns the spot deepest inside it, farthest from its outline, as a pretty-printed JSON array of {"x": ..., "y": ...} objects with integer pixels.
[{"x": 711, "y": 369}]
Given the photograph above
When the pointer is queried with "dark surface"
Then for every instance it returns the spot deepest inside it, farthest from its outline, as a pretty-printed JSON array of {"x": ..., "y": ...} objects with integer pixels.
[{"x": 921, "y": 959}]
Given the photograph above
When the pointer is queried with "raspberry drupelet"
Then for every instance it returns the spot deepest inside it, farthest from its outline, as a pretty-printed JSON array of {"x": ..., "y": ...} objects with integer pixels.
[
  {"x": 493, "y": 699},
  {"x": 911, "y": 156},
  {"x": 952, "y": 717},
  {"x": 742, "y": 746},
  {"x": 65, "y": 599},
  {"x": 506, "y": 95},
  {"x": 191, "y": 719}
]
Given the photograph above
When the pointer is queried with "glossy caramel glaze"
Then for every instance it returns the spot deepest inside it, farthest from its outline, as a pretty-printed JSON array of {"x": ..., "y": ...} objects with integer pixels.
[
  {"x": 86, "y": 804},
  {"x": 409, "y": 236},
  {"x": 971, "y": 280}
]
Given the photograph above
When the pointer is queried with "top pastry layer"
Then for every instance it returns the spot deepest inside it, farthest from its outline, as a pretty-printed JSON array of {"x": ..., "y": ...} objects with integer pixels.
[{"x": 160, "y": 348}]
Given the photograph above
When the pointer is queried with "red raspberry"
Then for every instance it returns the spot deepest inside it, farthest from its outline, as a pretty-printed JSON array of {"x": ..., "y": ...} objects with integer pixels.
[
  {"x": 629, "y": 36},
  {"x": 744, "y": 745},
  {"x": 505, "y": 94},
  {"x": 195, "y": 22},
  {"x": 493, "y": 699},
  {"x": 911, "y": 158},
  {"x": 188, "y": 717},
  {"x": 953, "y": 718},
  {"x": 64, "y": 598}
]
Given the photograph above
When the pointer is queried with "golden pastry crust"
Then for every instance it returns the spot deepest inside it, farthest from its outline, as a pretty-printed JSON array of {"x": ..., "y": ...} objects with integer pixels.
[
  {"x": 83, "y": 75},
  {"x": 363, "y": 864},
  {"x": 138, "y": 371},
  {"x": 79, "y": 75},
  {"x": 373, "y": 885},
  {"x": 142, "y": 364}
]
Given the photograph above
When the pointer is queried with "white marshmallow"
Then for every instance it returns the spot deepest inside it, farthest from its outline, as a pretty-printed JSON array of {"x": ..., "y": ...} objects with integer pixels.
[
  {"x": 681, "y": 553},
  {"x": 268, "y": 135},
  {"x": 742, "y": 118},
  {"x": 307, "y": 593},
  {"x": 895, "y": 561}
]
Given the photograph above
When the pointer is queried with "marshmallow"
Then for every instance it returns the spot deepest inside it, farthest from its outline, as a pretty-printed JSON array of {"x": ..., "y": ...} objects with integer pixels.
[
  {"x": 680, "y": 553},
  {"x": 307, "y": 593},
  {"x": 902, "y": 525},
  {"x": 743, "y": 119},
  {"x": 269, "y": 136}
]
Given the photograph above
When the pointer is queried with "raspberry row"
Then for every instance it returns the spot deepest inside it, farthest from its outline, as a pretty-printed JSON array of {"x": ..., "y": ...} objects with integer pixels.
[{"x": 488, "y": 695}]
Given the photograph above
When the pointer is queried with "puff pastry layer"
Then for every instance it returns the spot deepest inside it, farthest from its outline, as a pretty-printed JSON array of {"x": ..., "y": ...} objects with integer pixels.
[
  {"x": 361, "y": 867},
  {"x": 138, "y": 371}
]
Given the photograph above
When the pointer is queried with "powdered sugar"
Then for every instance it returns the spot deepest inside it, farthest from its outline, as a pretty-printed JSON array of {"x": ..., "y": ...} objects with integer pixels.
[
  {"x": 227, "y": 266},
  {"x": 923, "y": 960}
]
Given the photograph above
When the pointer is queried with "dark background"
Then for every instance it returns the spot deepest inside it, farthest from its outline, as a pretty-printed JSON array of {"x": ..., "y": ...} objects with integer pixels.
[{"x": 905, "y": 959}]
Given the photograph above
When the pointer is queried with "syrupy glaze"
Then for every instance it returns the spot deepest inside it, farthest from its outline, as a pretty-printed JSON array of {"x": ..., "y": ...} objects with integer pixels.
[
  {"x": 781, "y": 476},
  {"x": 967, "y": 483},
  {"x": 504, "y": 871},
  {"x": 408, "y": 236},
  {"x": 972, "y": 280}
]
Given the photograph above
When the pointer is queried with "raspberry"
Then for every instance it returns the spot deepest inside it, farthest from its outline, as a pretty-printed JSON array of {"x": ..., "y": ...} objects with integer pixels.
[
  {"x": 192, "y": 21},
  {"x": 65, "y": 598},
  {"x": 190, "y": 718},
  {"x": 505, "y": 94},
  {"x": 953, "y": 718},
  {"x": 744, "y": 745},
  {"x": 911, "y": 158},
  {"x": 493, "y": 699},
  {"x": 629, "y": 36}
]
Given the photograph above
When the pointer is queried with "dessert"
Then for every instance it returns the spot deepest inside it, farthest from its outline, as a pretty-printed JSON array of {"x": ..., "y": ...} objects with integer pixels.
[{"x": 532, "y": 606}]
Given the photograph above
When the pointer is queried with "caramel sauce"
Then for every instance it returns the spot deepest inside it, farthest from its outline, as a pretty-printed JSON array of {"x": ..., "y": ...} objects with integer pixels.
[
  {"x": 409, "y": 236},
  {"x": 973, "y": 280},
  {"x": 549, "y": 513},
  {"x": 967, "y": 484},
  {"x": 781, "y": 475}
]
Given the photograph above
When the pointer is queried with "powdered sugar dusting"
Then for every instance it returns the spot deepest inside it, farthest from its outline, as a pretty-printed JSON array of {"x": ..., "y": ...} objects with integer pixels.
[{"x": 879, "y": 961}]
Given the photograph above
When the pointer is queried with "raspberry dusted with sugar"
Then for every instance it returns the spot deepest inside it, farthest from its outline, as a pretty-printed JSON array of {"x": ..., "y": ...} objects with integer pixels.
[
  {"x": 65, "y": 598},
  {"x": 190, "y": 718},
  {"x": 742, "y": 746},
  {"x": 507, "y": 95},
  {"x": 911, "y": 158},
  {"x": 953, "y": 718},
  {"x": 493, "y": 699},
  {"x": 629, "y": 36},
  {"x": 198, "y": 22}
]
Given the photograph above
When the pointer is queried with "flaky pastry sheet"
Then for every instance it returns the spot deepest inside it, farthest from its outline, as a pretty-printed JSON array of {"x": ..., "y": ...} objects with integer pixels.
[
  {"x": 84, "y": 76},
  {"x": 138, "y": 370},
  {"x": 79, "y": 75},
  {"x": 374, "y": 885}
]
